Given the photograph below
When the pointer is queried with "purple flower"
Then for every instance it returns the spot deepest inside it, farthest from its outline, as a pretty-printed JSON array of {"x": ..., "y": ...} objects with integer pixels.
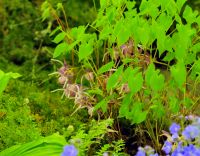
[
  {"x": 167, "y": 147},
  {"x": 175, "y": 136},
  {"x": 69, "y": 150},
  {"x": 191, "y": 132},
  {"x": 174, "y": 128},
  {"x": 140, "y": 152}
]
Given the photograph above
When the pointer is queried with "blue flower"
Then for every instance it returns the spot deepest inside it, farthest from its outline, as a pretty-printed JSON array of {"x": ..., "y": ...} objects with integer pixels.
[
  {"x": 140, "y": 152},
  {"x": 69, "y": 150},
  {"x": 191, "y": 132},
  {"x": 174, "y": 128},
  {"x": 167, "y": 147}
]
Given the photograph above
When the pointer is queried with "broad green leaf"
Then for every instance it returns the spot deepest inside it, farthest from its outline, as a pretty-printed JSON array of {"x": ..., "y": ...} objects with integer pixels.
[
  {"x": 130, "y": 5},
  {"x": 3, "y": 82},
  {"x": 137, "y": 115},
  {"x": 113, "y": 80},
  {"x": 107, "y": 30},
  {"x": 105, "y": 68},
  {"x": 135, "y": 82},
  {"x": 77, "y": 32},
  {"x": 51, "y": 146},
  {"x": 59, "y": 37},
  {"x": 157, "y": 81},
  {"x": 124, "y": 108},
  {"x": 180, "y": 4},
  {"x": 85, "y": 50},
  {"x": 153, "y": 79},
  {"x": 158, "y": 110},
  {"x": 149, "y": 8},
  {"x": 118, "y": 26},
  {"x": 149, "y": 72},
  {"x": 164, "y": 21},
  {"x": 123, "y": 36},
  {"x": 189, "y": 15},
  {"x": 60, "y": 49},
  {"x": 178, "y": 72}
]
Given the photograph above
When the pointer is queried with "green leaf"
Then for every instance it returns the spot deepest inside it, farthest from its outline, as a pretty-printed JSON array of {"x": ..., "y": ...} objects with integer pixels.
[
  {"x": 157, "y": 81},
  {"x": 51, "y": 146},
  {"x": 113, "y": 80},
  {"x": 102, "y": 104},
  {"x": 189, "y": 15},
  {"x": 178, "y": 72},
  {"x": 85, "y": 50},
  {"x": 180, "y": 4},
  {"x": 60, "y": 49},
  {"x": 135, "y": 82},
  {"x": 124, "y": 108},
  {"x": 137, "y": 115},
  {"x": 105, "y": 68},
  {"x": 149, "y": 72},
  {"x": 174, "y": 104},
  {"x": 164, "y": 21},
  {"x": 107, "y": 30},
  {"x": 123, "y": 36},
  {"x": 55, "y": 30},
  {"x": 59, "y": 37},
  {"x": 153, "y": 79},
  {"x": 14, "y": 75},
  {"x": 3, "y": 82}
]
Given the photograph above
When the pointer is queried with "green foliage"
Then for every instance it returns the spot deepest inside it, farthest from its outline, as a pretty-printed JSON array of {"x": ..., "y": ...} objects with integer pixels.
[
  {"x": 51, "y": 145},
  {"x": 4, "y": 78},
  {"x": 131, "y": 44},
  {"x": 17, "y": 123}
]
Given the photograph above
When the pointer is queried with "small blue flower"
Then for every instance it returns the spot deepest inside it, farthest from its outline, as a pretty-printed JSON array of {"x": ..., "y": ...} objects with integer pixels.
[
  {"x": 167, "y": 147},
  {"x": 175, "y": 136},
  {"x": 191, "y": 132},
  {"x": 140, "y": 152},
  {"x": 174, "y": 128},
  {"x": 69, "y": 150}
]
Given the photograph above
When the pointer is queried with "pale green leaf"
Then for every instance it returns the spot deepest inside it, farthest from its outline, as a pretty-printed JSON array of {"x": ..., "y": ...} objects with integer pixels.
[
  {"x": 105, "y": 68},
  {"x": 135, "y": 82},
  {"x": 113, "y": 80},
  {"x": 178, "y": 72},
  {"x": 59, "y": 37},
  {"x": 60, "y": 49},
  {"x": 85, "y": 50}
]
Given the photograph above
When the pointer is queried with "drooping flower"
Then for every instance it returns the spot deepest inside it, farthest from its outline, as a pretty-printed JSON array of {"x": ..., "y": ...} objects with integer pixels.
[{"x": 69, "y": 150}]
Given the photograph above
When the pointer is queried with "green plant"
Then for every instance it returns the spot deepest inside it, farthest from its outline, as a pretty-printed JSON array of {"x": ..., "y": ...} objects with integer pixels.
[
  {"x": 17, "y": 124},
  {"x": 4, "y": 79},
  {"x": 124, "y": 62},
  {"x": 51, "y": 146}
]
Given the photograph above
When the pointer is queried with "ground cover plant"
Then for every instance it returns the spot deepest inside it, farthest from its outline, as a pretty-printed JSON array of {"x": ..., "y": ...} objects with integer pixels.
[{"x": 131, "y": 73}]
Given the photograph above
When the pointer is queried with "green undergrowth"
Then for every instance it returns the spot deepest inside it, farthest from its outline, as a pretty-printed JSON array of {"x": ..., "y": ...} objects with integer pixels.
[{"x": 28, "y": 112}]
